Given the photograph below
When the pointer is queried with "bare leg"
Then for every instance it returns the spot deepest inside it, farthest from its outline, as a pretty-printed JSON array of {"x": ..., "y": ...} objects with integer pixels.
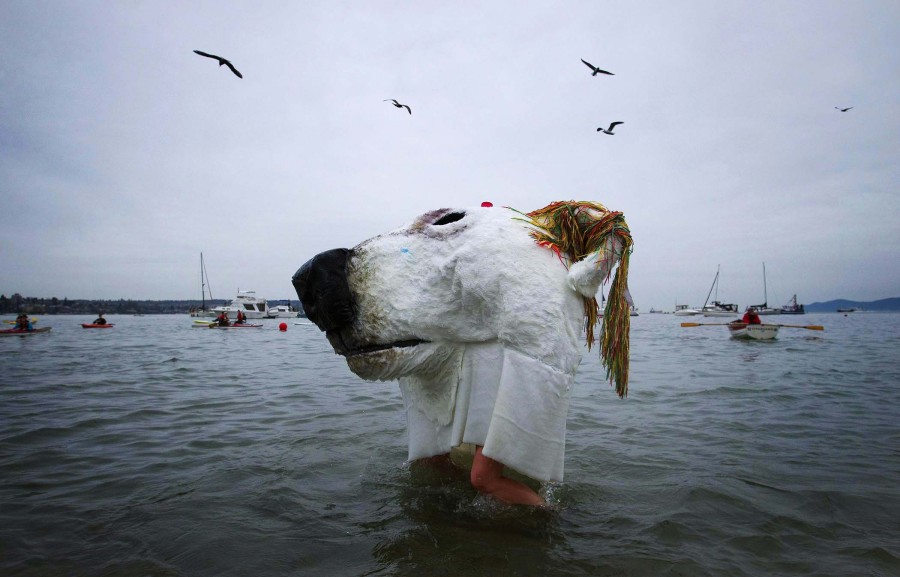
[{"x": 487, "y": 477}]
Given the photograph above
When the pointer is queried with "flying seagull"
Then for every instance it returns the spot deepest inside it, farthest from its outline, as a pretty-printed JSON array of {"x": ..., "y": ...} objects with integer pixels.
[
  {"x": 595, "y": 69},
  {"x": 221, "y": 62},
  {"x": 397, "y": 104},
  {"x": 842, "y": 109},
  {"x": 610, "y": 129}
]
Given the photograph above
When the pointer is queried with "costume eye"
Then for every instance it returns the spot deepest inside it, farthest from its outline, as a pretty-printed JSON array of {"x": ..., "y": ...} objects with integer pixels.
[{"x": 448, "y": 218}]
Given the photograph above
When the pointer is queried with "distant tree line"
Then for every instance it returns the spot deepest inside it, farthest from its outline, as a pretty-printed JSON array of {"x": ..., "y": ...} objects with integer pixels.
[{"x": 55, "y": 306}]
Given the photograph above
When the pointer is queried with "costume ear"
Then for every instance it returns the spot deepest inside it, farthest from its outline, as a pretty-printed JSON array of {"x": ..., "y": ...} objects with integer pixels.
[{"x": 586, "y": 275}]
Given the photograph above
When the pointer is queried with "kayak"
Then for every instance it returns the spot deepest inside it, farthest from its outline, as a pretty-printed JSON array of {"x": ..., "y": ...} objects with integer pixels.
[
  {"x": 93, "y": 326},
  {"x": 23, "y": 332},
  {"x": 215, "y": 325}
]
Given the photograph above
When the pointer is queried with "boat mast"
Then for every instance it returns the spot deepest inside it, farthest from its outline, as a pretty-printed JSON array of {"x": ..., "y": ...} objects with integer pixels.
[
  {"x": 204, "y": 282},
  {"x": 714, "y": 286},
  {"x": 716, "y": 300},
  {"x": 202, "y": 285},
  {"x": 765, "y": 289}
]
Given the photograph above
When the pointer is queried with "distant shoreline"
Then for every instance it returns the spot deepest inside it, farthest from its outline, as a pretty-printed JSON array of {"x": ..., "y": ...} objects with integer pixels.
[
  {"x": 56, "y": 306},
  {"x": 65, "y": 306}
]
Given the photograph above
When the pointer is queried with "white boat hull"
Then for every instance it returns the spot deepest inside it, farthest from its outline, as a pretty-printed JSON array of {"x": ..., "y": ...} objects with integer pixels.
[
  {"x": 282, "y": 312},
  {"x": 686, "y": 312},
  {"x": 203, "y": 314},
  {"x": 248, "y": 303},
  {"x": 762, "y": 312},
  {"x": 754, "y": 332}
]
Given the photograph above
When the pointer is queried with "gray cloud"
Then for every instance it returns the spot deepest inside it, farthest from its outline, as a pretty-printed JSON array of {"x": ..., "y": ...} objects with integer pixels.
[{"x": 123, "y": 155}]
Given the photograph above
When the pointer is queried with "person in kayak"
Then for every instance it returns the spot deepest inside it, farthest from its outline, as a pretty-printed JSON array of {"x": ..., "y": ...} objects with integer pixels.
[
  {"x": 222, "y": 320},
  {"x": 241, "y": 319},
  {"x": 100, "y": 320},
  {"x": 23, "y": 324}
]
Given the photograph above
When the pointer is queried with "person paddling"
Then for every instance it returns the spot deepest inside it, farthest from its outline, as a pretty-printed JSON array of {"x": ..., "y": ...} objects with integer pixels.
[
  {"x": 23, "y": 324},
  {"x": 100, "y": 320}
]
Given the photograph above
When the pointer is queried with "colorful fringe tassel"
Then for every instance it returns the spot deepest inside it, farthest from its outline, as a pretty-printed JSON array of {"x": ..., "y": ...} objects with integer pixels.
[{"x": 574, "y": 230}]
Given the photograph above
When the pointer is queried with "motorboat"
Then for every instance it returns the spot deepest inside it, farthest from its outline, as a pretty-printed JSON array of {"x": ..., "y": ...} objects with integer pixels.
[
  {"x": 741, "y": 330},
  {"x": 685, "y": 311},
  {"x": 252, "y": 306},
  {"x": 792, "y": 308},
  {"x": 283, "y": 312}
]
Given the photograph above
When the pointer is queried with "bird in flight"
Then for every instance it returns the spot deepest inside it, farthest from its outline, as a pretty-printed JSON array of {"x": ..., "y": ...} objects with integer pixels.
[
  {"x": 595, "y": 70},
  {"x": 221, "y": 62},
  {"x": 610, "y": 129},
  {"x": 843, "y": 109},
  {"x": 397, "y": 104}
]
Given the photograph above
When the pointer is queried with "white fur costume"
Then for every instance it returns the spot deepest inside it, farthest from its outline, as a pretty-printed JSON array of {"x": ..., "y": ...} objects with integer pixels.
[{"x": 496, "y": 326}]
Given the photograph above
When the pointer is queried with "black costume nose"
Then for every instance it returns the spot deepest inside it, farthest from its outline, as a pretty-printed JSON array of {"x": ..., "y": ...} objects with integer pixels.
[{"x": 321, "y": 285}]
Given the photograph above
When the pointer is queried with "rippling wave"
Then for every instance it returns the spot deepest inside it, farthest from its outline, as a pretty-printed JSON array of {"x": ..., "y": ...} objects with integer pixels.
[{"x": 158, "y": 449}]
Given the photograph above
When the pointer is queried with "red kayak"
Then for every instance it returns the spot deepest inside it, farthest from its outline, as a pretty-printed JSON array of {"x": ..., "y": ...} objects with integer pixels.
[
  {"x": 24, "y": 332},
  {"x": 93, "y": 326}
]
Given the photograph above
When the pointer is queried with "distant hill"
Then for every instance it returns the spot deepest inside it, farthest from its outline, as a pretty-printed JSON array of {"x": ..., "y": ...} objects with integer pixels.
[{"x": 892, "y": 304}]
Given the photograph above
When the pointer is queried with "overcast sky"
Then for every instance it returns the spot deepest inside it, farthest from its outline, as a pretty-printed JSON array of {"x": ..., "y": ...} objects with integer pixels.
[{"x": 123, "y": 155}]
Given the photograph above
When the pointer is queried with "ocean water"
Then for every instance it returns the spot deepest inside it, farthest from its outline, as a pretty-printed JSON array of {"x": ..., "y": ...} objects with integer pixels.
[{"x": 157, "y": 449}]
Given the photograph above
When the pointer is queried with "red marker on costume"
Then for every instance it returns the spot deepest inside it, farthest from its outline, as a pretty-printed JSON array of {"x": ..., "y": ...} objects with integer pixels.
[{"x": 487, "y": 204}]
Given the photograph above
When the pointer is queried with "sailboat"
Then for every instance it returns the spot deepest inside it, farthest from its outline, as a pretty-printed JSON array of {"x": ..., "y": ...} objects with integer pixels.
[
  {"x": 716, "y": 308},
  {"x": 764, "y": 308},
  {"x": 203, "y": 311}
]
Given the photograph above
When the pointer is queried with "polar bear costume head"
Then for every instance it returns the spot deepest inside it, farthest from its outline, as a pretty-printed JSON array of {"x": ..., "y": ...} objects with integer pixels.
[{"x": 477, "y": 311}]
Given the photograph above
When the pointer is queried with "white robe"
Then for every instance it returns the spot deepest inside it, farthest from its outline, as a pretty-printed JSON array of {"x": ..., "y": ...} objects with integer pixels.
[{"x": 511, "y": 404}]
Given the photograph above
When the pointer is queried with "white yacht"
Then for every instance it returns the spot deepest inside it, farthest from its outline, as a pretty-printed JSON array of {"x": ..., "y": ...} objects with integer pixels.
[
  {"x": 685, "y": 311},
  {"x": 717, "y": 309},
  {"x": 246, "y": 301},
  {"x": 283, "y": 312}
]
